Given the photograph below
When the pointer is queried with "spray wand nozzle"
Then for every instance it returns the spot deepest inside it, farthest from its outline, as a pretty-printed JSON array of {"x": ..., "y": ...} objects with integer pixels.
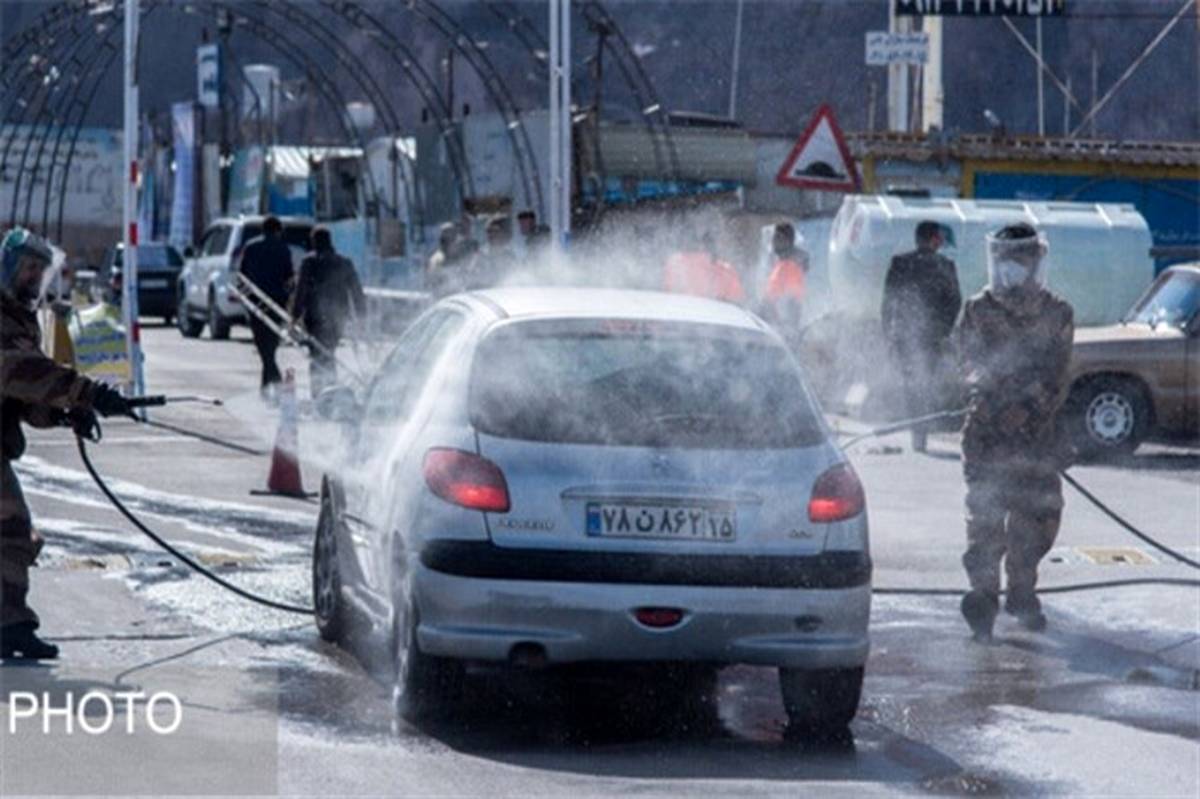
[{"x": 156, "y": 400}]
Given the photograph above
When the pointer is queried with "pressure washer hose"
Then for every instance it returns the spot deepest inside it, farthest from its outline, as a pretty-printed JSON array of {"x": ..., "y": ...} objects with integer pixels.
[
  {"x": 184, "y": 559},
  {"x": 881, "y": 591}
]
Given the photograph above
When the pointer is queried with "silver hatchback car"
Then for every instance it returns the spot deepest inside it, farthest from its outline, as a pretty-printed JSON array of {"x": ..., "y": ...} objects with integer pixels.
[{"x": 558, "y": 476}]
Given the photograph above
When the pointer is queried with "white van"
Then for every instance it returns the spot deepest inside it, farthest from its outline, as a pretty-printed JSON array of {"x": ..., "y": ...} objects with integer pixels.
[{"x": 1099, "y": 257}]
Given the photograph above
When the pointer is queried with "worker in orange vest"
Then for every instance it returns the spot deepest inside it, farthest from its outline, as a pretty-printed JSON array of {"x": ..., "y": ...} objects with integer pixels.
[
  {"x": 700, "y": 273},
  {"x": 783, "y": 297}
]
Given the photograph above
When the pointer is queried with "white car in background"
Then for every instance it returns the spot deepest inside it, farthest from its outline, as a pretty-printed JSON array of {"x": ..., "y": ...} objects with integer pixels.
[
  {"x": 203, "y": 294},
  {"x": 554, "y": 476}
]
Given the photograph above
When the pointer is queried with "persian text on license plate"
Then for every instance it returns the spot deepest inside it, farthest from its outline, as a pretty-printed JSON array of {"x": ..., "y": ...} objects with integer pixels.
[
  {"x": 713, "y": 522},
  {"x": 153, "y": 283}
]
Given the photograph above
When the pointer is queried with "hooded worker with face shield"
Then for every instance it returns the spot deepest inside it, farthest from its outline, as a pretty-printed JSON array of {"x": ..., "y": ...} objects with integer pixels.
[
  {"x": 37, "y": 391},
  {"x": 1014, "y": 340}
]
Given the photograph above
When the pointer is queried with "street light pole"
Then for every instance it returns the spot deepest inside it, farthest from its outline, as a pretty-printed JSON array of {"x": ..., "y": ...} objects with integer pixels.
[{"x": 129, "y": 227}]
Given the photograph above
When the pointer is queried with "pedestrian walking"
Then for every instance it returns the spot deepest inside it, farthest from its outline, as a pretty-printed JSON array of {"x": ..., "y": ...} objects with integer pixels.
[
  {"x": 328, "y": 293},
  {"x": 921, "y": 300},
  {"x": 267, "y": 263},
  {"x": 1014, "y": 339},
  {"x": 699, "y": 272},
  {"x": 783, "y": 296},
  {"x": 41, "y": 393}
]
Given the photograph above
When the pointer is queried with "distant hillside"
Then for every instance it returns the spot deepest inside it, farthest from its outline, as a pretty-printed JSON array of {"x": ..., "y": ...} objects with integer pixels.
[{"x": 795, "y": 55}]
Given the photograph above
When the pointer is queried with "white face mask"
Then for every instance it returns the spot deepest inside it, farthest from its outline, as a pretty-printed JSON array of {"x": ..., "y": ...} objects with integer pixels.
[{"x": 1010, "y": 274}]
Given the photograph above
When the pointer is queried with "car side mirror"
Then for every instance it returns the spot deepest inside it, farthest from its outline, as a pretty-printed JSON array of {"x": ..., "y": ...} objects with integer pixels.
[
  {"x": 338, "y": 404},
  {"x": 189, "y": 252}
]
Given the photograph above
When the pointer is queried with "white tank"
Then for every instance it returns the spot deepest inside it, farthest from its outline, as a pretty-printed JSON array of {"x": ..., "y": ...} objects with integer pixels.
[{"x": 1099, "y": 257}]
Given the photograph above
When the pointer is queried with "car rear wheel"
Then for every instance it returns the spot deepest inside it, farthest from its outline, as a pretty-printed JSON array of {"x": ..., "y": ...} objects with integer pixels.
[
  {"x": 218, "y": 325},
  {"x": 820, "y": 702},
  {"x": 1108, "y": 415},
  {"x": 330, "y": 609},
  {"x": 188, "y": 327},
  {"x": 423, "y": 683}
]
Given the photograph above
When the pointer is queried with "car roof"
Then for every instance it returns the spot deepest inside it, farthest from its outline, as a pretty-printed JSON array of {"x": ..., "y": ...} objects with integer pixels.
[
  {"x": 605, "y": 303},
  {"x": 258, "y": 219},
  {"x": 1191, "y": 266}
]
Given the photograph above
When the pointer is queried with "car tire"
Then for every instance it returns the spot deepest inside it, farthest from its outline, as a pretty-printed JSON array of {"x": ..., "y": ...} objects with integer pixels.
[
  {"x": 329, "y": 608},
  {"x": 188, "y": 327},
  {"x": 820, "y": 702},
  {"x": 1107, "y": 416},
  {"x": 218, "y": 325},
  {"x": 423, "y": 684}
]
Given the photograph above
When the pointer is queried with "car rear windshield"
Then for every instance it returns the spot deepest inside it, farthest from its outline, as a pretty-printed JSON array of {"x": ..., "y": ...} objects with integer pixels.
[
  {"x": 688, "y": 386},
  {"x": 152, "y": 256}
]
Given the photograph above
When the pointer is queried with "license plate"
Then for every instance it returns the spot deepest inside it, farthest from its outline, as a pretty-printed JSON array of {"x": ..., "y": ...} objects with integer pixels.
[
  {"x": 160, "y": 283},
  {"x": 708, "y": 522}
]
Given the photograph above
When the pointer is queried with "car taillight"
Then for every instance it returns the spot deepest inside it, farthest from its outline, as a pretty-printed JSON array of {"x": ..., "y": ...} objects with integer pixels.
[
  {"x": 836, "y": 495},
  {"x": 466, "y": 479}
]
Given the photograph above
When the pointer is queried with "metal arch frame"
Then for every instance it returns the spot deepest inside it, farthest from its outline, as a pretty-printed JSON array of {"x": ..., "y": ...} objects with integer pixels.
[
  {"x": 14, "y": 46},
  {"x": 360, "y": 18},
  {"x": 27, "y": 92},
  {"x": 51, "y": 115},
  {"x": 631, "y": 67},
  {"x": 496, "y": 88},
  {"x": 325, "y": 87},
  {"x": 369, "y": 86},
  {"x": 431, "y": 13},
  {"x": 81, "y": 109},
  {"x": 288, "y": 48}
]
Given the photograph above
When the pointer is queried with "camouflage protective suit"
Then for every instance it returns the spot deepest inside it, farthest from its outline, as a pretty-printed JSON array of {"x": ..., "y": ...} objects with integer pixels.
[
  {"x": 37, "y": 391},
  {"x": 1015, "y": 358}
]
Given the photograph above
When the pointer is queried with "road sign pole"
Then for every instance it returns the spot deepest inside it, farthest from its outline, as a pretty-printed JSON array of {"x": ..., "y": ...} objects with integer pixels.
[{"x": 129, "y": 271}]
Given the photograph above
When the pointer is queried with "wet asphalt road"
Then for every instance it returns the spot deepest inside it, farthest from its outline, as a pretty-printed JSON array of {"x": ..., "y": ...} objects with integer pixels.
[{"x": 1103, "y": 703}]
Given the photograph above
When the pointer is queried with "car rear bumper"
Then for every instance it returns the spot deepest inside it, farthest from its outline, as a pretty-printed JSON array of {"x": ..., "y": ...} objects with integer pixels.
[{"x": 486, "y": 618}]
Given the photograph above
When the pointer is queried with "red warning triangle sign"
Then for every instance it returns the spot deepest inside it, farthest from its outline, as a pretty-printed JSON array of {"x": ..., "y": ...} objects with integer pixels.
[{"x": 820, "y": 160}]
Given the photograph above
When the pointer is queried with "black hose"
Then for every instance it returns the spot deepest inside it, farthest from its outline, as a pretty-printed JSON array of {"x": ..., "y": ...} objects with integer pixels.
[
  {"x": 136, "y": 522},
  {"x": 1110, "y": 513},
  {"x": 1089, "y": 496},
  {"x": 878, "y": 591}
]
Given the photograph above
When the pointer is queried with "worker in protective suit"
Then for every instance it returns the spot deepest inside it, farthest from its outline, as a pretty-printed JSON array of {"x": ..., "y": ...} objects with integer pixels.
[
  {"x": 42, "y": 393},
  {"x": 1014, "y": 340}
]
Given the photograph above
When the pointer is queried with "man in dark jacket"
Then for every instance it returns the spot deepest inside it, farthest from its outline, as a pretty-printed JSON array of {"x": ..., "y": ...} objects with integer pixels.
[
  {"x": 921, "y": 299},
  {"x": 327, "y": 293},
  {"x": 37, "y": 391},
  {"x": 267, "y": 262}
]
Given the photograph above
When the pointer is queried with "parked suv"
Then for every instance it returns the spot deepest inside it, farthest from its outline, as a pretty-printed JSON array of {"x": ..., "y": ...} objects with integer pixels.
[{"x": 203, "y": 296}]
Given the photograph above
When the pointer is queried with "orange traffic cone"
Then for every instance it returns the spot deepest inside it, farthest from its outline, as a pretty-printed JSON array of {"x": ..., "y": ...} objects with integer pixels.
[{"x": 285, "y": 458}]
